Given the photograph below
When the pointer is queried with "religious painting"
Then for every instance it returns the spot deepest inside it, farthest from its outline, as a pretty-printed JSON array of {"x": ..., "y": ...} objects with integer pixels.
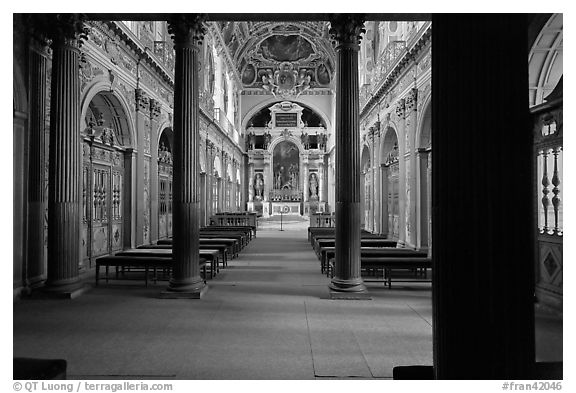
[
  {"x": 249, "y": 75},
  {"x": 286, "y": 48},
  {"x": 286, "y": 166},
  {"x": 323, "y": 74}
]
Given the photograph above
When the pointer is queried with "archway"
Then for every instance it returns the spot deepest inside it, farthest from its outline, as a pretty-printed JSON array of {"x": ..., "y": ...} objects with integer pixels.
[
  {"x": 365, "y": 188},
  {"x": 106, "y": 207},
  {"x": 165, "y": 148},
  {"x": 390, "y": 204}
]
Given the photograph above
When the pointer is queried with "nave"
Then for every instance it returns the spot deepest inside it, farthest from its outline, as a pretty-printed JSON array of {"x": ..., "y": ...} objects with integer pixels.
[{"x": 266, "y": 316}]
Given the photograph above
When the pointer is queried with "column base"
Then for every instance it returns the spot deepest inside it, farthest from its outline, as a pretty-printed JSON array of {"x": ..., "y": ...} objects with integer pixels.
[
  {"x": 188, "y": 291},
  {"x": 348, "y": 289},
  {"x": 60, "y": 292}
]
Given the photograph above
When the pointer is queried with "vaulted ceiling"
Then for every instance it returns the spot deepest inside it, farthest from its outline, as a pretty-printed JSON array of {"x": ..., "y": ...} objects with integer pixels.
[{"x": 283, "y": 57}]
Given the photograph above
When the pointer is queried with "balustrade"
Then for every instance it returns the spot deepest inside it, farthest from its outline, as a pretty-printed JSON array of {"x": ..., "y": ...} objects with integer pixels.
[{"x": 322, "y": 220}]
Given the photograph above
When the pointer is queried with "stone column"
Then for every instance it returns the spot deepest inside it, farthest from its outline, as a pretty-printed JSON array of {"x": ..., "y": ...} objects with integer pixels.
[
  {"x": 267, "y": 176},
  {"x": 64, "y": 195},
  {"x": 483, "y": 265},
  {"x": 209, "y": 179},
  {"x": 376, "y": 178},
  {"x": 401, "y": 132},
  {"x": 36, "y": 167},
  {"x": 187, "y": 32},
  {"x": 424, "y": 201},
  {"x": 346, "y": 30},
  {"x": 305, "y": 179},
  {"x": 384, "y": 230},
  {"x": 410, "y": 133},
  {"x": 129, "y": 212},
  {"x": 142, "y": 216},
  {"x": 321, "y": 178}
]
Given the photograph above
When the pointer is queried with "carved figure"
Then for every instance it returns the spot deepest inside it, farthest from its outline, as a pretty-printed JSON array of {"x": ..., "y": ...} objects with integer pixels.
[
  {"x": 313, "y": 186},
  {"x": 259, "y": 186}
]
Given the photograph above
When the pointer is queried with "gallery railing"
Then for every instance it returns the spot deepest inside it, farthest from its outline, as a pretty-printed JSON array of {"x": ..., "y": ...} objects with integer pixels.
[
  {"x": 234, "y": 219},
  {"x": 548, "y": 155}
]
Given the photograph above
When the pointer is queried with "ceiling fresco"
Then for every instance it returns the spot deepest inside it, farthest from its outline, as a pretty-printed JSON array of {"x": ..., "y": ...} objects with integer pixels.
[{"x": 281, "y": 58}]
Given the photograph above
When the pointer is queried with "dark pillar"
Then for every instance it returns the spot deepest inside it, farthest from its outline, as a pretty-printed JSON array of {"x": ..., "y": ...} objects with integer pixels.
[
  {"x": 346, "y": 30},
  {"x": 36, "y": 168},
  {"x": 483, "y": 284},
  {"x": 64, "y": 199},
  {"x": 187, "y": 32}
]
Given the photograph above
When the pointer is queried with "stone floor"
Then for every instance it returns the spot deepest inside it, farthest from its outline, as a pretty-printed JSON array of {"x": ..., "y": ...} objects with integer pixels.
[{"x": 267, "y": 316}]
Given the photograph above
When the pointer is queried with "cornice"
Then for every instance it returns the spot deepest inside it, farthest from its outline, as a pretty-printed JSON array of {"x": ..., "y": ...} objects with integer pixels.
[
  {"x": 142, "y": 53},
  {"x": 391, "y": 78}
]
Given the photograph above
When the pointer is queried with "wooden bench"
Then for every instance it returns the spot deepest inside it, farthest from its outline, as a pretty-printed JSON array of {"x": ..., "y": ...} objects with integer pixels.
[
  {"x": 210, "y": 255},
  {"x": 249, "y": 230},
  {"x": 138, "y": 262},
  {"x": 389, "y": 263},
  {"x": 231, "y": 244},
  {"x": 222, "y": 250},
  {"x": 364, "y": 242},
  {"x": 327, "y": 253}
]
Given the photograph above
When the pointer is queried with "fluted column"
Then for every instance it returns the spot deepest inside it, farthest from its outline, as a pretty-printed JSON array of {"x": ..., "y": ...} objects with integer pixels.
[
  {"x": 64, "y": 198},
  {"x": 36, "y": 168},
  {"x": 346, "y": 30},
  {"x": 187, "y": 33}
]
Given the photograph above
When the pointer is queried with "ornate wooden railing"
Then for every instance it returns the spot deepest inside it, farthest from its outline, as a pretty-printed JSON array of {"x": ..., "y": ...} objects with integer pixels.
[
  {"x": 234, "y": 219},
  {"x": 322, "y": 220},
  {"x": 548, "y": 154}
]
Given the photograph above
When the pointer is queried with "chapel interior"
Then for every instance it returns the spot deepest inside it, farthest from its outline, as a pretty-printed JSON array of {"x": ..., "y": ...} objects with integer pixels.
[{"x": 287, "y": 196}]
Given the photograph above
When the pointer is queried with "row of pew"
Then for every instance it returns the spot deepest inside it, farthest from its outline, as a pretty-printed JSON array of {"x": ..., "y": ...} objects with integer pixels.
[
  {"x": 379, "y": 256},
  {"x": 217, "y": 246}
]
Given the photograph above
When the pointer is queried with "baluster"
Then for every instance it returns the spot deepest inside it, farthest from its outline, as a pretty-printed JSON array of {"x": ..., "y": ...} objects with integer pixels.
[
  {"x": 556, "y": 190},
  {"x": 545, "y": 191}
]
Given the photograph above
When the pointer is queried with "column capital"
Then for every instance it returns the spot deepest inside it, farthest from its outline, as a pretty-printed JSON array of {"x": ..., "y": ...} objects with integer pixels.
[
  {"x": 187, "y": 30},
  {"x": 58, "y": 29},
  {"x": 401, "y": 108},
  {"x": 141, "y": 100},
  {"x": 346, "y": 30},
  {"x": 155, "y": 108},
  {"x": 412, "y": 99}
]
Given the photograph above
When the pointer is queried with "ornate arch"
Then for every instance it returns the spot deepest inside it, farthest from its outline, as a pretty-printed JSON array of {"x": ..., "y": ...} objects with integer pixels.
[
  {"x": 292, "y": 139},
  {"x": 422, "y": 123},
  {"x": 273, "y": 100},
  {"x": 545, "y": 60},
  {"x": 390, "y": 131},
  {"x": 101, "y": 84}
]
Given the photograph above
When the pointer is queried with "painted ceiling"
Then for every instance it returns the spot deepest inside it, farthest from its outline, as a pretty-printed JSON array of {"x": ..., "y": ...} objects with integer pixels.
[{"x": 283, "y": 58}]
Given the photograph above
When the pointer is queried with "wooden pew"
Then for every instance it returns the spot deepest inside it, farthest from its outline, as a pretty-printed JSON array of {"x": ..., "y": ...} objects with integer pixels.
[
  {"x": 327, "y": 253},
  {"x": 364, "y": 242},
  {"x": 250, "y": 231},
  {"x": 222, "y": 249},
  {"x": 231, "y": 244},
  {"x": 390, "y": 263},
  {"x": 138, "y": 262},
  {"x": 210, "y": 255}
]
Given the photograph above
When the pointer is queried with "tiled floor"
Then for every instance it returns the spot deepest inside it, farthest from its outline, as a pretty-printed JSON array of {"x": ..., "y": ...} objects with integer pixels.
[{"x": 266, "y": 316}]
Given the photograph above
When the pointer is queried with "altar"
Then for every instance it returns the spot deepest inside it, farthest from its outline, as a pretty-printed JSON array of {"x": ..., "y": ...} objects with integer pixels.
[{"x": 286, "y": 208}]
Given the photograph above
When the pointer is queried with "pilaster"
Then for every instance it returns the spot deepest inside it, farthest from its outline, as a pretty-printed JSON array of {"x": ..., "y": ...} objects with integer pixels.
[
  {"x": 155, "y": 109},
  {"x": 411, "y": 167},
  {"x": 402, "y": 202}
]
